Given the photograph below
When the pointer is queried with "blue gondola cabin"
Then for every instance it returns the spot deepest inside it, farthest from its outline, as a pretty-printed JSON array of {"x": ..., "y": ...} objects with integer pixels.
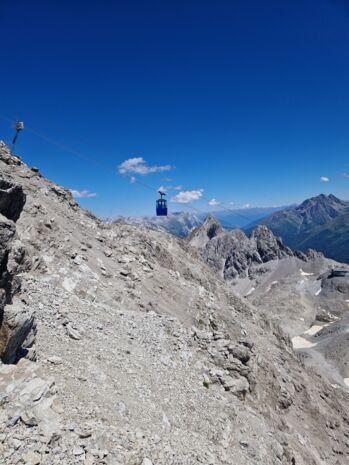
[{"x": 161, "y": 205}]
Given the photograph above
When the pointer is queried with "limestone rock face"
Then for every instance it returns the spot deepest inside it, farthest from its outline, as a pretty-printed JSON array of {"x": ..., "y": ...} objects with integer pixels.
[
  {"x": 233, "y": 253},
  {"x": 268, "y": 246},
  {"x": 16, "y": 321},
  {"x": 204, "y": 233},
  {"x": 7, "y": 233}
]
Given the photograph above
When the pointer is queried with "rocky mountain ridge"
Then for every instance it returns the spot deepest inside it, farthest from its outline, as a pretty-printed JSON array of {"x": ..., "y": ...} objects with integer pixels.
[
  {"x": 321, "y": 222},
  {"x": 240, "y": 218},
  {"x": 143, "y": 356},
  {"x": 181, "y": 224},
  {"x": 235, "y": 255},
  {"x": 306, "y": 294}
]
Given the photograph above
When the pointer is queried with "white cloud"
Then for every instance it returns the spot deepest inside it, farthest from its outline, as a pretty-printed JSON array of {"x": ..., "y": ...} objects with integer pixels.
[
  {"x": 324, "y": 179},
  {"x": 170, "y": 188},
  {"x": 133, "y": 179},
  {"x": 346, "y": 175},
  {"x": 213, "y": 203},
  {"x": 187, "y": 196},
  {"x": 247, "y": 205},
  {"x": 138, "y": 165},
  {"x": 83, "y": 194}
]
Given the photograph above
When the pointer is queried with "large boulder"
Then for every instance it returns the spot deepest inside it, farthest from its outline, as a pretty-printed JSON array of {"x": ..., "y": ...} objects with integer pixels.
[
  {"x": 28, "y": 396},
  {"x": 336, "y": 284},
  {"x": 17, "y": 324}
]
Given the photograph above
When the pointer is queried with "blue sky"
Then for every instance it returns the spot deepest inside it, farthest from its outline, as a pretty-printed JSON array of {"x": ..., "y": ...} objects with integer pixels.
[{"x": 247, "y": 100}]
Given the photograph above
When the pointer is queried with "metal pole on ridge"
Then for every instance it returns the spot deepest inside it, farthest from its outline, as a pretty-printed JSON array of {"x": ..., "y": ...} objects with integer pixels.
[{"x": 19, "y": 126}]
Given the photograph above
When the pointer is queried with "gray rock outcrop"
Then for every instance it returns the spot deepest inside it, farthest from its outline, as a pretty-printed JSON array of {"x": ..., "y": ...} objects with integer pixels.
[
  {"x": 334, "y": 283},
  {"x": 27, "y": 396},
  {"x": 269, "y": 247},
  {"x": 204, "y": 233},
  {"x": 7, "y": 233},
  {"x": 16, "y": 321},
  {"x": 233, "y": 253}
]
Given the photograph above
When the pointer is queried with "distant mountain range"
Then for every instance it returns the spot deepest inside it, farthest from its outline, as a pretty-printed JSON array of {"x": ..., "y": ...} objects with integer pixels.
[
  {"x": 241, "y": 217},
  {"x": 321, "y": 223},
  {"x": 178, "y": 224}
]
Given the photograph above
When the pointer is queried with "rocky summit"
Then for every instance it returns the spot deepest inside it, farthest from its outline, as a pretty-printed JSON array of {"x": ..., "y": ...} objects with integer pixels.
[
  {"x": 235, "y": 255},
  {"x": 321, "y": 223},
  {"x": 305, "y": 294},
  {"x": 121, "y": 346}
]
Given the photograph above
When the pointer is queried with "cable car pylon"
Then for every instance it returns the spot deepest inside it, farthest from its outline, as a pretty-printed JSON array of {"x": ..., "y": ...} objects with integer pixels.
[
  {"x": 161, "y": 204},
  {"x": 19, "y": 126}
]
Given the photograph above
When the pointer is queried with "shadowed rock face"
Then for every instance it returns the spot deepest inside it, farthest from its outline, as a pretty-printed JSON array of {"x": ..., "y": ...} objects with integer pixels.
[
  {"x": 7, "y": 233},
  {"x": 16, "y": 322},
  {"x": 12, "y": 200}
]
